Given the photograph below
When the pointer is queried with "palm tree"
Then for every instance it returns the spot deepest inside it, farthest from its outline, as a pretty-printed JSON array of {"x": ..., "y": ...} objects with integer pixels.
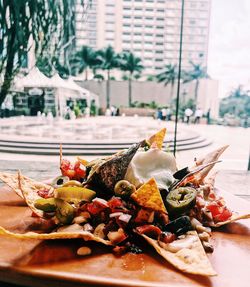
[
  {"x": 110, "y": 61},
  {"x": 168, "y": 76},
  {"x": 132, "y": 64},
  {"x": 195, "y": 74},
  {"x": 86, "y": 58}
]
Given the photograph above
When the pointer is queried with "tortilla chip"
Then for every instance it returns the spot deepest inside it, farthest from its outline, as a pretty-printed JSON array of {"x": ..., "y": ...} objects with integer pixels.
[
  {"x": 83, "y": 161},
  {"x": 233, "y": 218},
  {"x": 87, "y": 236},
  {"x": 148, "y": 195},
  {"x": 211, "y": 157},
  {"x": 29, "y": 189},
  {"x": 158, "y": 138},
  {"x": 12, "y": 181},
  {"x": 190, "y": 260}
]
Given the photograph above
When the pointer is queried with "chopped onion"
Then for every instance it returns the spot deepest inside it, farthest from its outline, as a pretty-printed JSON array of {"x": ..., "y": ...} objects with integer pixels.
[
  {"x": 115, "y": 214},
  {"x": 87, "y": 227},
  {"x": 101, "y": 201},
  {"x": 125, "y": 217}
]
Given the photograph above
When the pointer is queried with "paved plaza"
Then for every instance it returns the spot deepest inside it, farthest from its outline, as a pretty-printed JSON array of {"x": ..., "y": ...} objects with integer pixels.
[{"x": 235, "y": 157}]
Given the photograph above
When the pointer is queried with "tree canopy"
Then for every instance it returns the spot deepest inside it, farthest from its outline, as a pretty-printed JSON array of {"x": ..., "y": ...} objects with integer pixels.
[
  {"x": 45, "y": 24},
  {"x": 237, "y": 103}
]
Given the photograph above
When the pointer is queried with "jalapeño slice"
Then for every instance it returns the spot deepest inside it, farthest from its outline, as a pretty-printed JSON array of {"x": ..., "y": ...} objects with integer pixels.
[
  {"x": 180, "y": 200},
  {"x": 45, "y": 204}
]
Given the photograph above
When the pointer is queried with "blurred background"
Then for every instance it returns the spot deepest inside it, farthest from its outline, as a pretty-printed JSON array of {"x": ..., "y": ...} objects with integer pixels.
[{"x": 98, "y": 75}]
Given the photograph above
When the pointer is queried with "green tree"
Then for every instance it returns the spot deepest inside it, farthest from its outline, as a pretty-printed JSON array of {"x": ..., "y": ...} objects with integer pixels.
[
  {"x": 110, "y": 61},
  {"x": 41, "y": 21},
  {"x": 168, "y": 76},
  {"x": 237, "y": 103},
  {"x": 195, "y": 74},
  {"x": 132, "y": 64},
  {"x": 86, "y": 58}
]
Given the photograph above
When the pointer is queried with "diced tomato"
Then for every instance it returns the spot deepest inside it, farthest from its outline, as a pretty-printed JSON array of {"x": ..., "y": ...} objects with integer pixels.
[
  {"x": 150, "y": 230},
  {"x": 80, "y": 171},
  {"x": 115, "y": 203},
  {"x": 144, "y": 216},
  {"x": 214, "y": 208},
  {"x": 95, "y": 208},
  {"x": 70, "y": 173},
  {"x": 223, "y": 216},
  {"x": 33, "y": 214},
  {"x": 219, "y": 212},
  {"x": 211, "y": 196},
  {"x": 65, "y": 165},
  {"x": 167, "y": 237},
  {"x": 45, "y": 193},
  {"x": 220, "y": 201},
  {"x": 77, "y": 171}
]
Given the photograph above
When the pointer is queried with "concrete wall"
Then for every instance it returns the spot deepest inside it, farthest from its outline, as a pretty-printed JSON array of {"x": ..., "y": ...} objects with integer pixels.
[{"x": 152, "y": 91}]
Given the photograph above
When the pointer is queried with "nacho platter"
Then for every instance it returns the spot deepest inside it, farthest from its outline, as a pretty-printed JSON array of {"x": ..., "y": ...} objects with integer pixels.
[{"x": 183, "y": 248}]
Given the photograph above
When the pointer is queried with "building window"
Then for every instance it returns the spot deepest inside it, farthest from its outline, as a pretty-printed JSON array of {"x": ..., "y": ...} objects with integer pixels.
[
  {"x": 160, "y": 19},
  {"x": 192, "y": 22},
  {"x": 159, "y": 35}
]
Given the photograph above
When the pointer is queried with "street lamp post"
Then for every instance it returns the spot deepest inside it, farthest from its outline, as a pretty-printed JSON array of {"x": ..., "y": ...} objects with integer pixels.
[
  {"x": 248, "y": 168},
  {"x": 179, "y": 77}
]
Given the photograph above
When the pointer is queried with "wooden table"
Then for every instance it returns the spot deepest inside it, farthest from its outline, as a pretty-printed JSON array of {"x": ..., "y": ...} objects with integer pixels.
[{"x": 227, "y": 250}]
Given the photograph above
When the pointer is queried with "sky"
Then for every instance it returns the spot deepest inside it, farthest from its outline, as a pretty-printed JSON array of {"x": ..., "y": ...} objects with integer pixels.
[{"x": 229, "y": 44}]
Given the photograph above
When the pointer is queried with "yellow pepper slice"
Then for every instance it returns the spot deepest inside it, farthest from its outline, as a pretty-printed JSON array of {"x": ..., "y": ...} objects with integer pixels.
[{"x": 74, "y": 194}]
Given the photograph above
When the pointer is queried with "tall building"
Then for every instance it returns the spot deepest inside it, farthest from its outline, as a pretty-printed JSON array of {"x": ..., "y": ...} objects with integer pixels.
[{"x": 148, "y": 28}]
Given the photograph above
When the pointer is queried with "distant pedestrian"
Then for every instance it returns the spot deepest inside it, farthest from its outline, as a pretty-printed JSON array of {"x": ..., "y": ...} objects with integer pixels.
[
  {"x": 159, "y": 114},
  {"x": 188, "y": 113},
  {"x": 113, "y": 110},
  {"x": 198, "y": 115},
  {"x": 164, "y": 113},
  {"x": 169, "y": 114},
  {"x": 108, "y": 112},
  {"x": 117, "y": 112},
  {"x": 208, "y": 116}
]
